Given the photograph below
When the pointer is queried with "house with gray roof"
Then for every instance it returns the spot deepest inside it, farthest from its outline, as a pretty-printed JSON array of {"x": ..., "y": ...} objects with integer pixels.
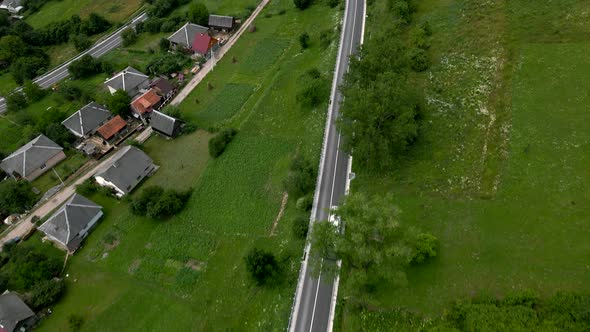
[
  {"x": 33, "y": 159},
  {"x": 15, "y": 315},
  {"x": 165, "y": 124},
  {"x": 12, "y": 6},
  {"x": 219, "y": 22},
  {"x": 185, "y": 36},
  {"x": 129, "y": 80},
  {"x": 125, "y": 170},
  {"x": 89, "y": 118},
  {"x": 71, "y": 223}
]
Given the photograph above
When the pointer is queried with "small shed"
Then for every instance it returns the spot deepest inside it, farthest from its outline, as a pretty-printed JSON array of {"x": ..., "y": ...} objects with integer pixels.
[
  {"x": 165, "y": 124},
  {"x": 224, "y": 23}
]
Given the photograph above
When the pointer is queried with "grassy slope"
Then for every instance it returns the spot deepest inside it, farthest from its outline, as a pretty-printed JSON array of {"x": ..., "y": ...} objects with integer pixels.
[
  {"x": 143, "y": 282},
  {"x": 499, "y": 172}
]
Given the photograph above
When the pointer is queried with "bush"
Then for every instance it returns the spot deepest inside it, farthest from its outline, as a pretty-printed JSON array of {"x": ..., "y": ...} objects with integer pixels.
[
  {"x": 314, "y": 89},
  {"x": 27, "y": 68},
  {"x": 164, "y": 44},
  {"x": 305, "y": 203},
  {"x": 119, "y": 103},
  {"x": 75, "y": 322},
  {"x": 167, "y": 63},
  {"x": 198, "y": 13},
  {"x": 16, "y": 101},
  {"x": 426, "y": 247},
  {"x": 262, "y": 266},
  {"x": 418, "y": 60},
  {"x": 302, "y": 4},
  {"x": 300, "y": 227},
  {"x": 84, "y": 67},
  {"x": 69, "y": 91},
  {"x": 157, "y": 203},
  {"x": 333, "y": 3},
  {"x": 30, "y": 267},
  {"x": 326, "y": 38},
  {"x": 46, "y": 293},
  {"x": 16, "y": 197},
  {"x": 129, "y": 37},
  {"x": 219, "y": 142},
  {"x": 304, "y": 40},
  {"x": 87, "y": 188},
  {"x": 301, "y": 179}
]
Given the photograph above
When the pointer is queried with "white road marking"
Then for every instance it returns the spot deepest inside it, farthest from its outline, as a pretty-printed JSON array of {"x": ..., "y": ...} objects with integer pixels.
[{"x": 315, "y": 301}]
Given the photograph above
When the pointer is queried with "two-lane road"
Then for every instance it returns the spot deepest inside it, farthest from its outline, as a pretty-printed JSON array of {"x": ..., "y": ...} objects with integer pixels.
[
  {"x": 99, "y": 49},
  {"x": 314, "y": 299}
]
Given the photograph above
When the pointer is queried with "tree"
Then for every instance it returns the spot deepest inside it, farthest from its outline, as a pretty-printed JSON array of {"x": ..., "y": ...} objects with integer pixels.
[
  {"x": 30, "y": 266},
  {"x": 301, "y": 178},
  {"x": 11, "y": 48},
  {"x": 129, "y": 37},
  {"x": 166, "y": 205},
  {"x": 16, "y": 101},
  {"x": 59, "y": 134},
  {"x": 84, "y": 67},
  {"x": 69, "y": 91},
  {"x": 33, "y": 92},
  {"x": 304, "y": 40},
  {"x": 157, "y": 203},
  {"x": 300, "y": 226},
  {"x": 81, "y": 42},
  {"x": 375, "y": 247},
  {"x": 46, "y": 293},
  {"x": 219, "y": 142},
  {"x": 418, "y": 59},
  {"x": 426, "y": 246},
  {"x": 302, "y": 4},
  {"x": 198, "y": 13},
  {"x": 95, "y": 24},
  {"x": 164, "y": 44},
  {"x": 313, "y": 89},
  {"x": 27, "y": 68},
  {"x": 119, "y": 103},
  {"x": 262, "y": 266}
]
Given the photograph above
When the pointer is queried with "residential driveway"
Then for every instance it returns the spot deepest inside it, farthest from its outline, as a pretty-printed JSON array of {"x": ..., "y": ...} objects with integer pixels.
[
  {"x": 208, "y": 66},
  {"x": 25, "y": 225}
]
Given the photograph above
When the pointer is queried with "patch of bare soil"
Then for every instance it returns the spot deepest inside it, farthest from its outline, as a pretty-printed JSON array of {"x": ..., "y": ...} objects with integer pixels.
[
  {"x": 280, "y": 215},
  {"x": 111, "y": 246},
  {"x": 194, "y": 264},
  {"x": 134, "y": 266}
]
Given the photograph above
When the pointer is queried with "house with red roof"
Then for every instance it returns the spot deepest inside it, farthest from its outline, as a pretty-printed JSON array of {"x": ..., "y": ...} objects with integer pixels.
[
  {"x": 143, "y": 105},
  {"x": 113, "y": 129},
  {"x": 204, "y": 45}
]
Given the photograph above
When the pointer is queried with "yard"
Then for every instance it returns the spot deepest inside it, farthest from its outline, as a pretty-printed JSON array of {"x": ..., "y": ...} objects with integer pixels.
[
  {"x": 187, "y": 273},
  {"x": 499, "y": 173}
]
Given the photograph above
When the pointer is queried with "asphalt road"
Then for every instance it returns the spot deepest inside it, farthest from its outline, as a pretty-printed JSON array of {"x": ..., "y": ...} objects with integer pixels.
[
  {"x": 314, "y": 300},
  {"x": 99, "y": 49}
]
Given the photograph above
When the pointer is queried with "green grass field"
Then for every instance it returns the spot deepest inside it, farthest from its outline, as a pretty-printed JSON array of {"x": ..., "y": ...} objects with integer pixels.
[
  {"x": 499, "y": 173},
  {"x": 112, "y": 10},
  {"x": 64, "y": 169},
  {"x": 187, "y": 273}
]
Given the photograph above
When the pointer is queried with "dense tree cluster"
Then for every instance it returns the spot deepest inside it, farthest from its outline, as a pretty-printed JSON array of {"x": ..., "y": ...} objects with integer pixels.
[
  {"x": 219, "y": 142},
  {"x": 118, "y": 103},
  {"x": 157, "y": 203},
  {"x": 376, "y": 248},
  {"x": 129, "y": 36},
  {"x": 155, "y": 24},
  {"x": 313, "y": 89},
  {"x": 16, "y": 197},
  {"x": 161, "y": 8},
  {"x": 198, "y": 14}
]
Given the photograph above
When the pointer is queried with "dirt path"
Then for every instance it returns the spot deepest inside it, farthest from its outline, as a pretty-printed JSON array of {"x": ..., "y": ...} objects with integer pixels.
[
  {"x": 280, "y": 215},
  {"x": 25, "y": 225},
  {"x": 209, "y": 65}
]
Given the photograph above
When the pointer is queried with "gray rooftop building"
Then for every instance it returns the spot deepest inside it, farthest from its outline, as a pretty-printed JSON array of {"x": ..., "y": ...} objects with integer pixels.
[
  {"x": 128, "y": 167},
  {"x": 186, "y": 35},
  {"x": 33, "y": 159},
  {"x": 222, "y": 22},
  {"x": 71, "y": 223},
  {"x": 165, "y": 124},
  {"x": 14, "y": 313},
  {"x": 85, "y": 122},
  {"x": 129, "y": 80}
]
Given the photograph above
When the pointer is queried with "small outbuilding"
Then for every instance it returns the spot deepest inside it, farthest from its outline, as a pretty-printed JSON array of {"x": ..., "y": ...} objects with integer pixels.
[
  {"x": 163, "y": 88},
  {"x": 145, "y": 104},
  {"x": 165, "y": 124},
  {"x": 33, "y": 159},
  {"x": 72, "y": 222},
  {"x": 113, "y": 129},
  {"x": 224, "y": 23}
]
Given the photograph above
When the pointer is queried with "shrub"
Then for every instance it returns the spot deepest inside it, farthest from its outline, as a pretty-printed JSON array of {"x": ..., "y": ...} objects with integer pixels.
[
  {"x": 33, "y": 92},
  {"x": 59, "y": 134},
  {"x": 157, "y": 203},
  {"x": 16, "y": 197},
  {"x": 84, "y": 67},
  {"x": 304, "y": 40},
  {"x": 27, "y": 68},
  {"x": 198, "y": 13},
  {"x": 262, "y": 266},
  {"x": 167, "y": 63},
  {"x": 129, "y": 37},
  {"x": 326, "y": 38},
  {"x": 29, "y": 267},
  {"x": 305, "y": 203},
  {"x": 69, "y": 91},
  {"x": 87, "y": 188},
  {"x": 302, "y": 4},
  {"x": 333, "y": 3},
  {"x": 426, "y": 246},
  {"x": 75, "y": 322},
  {"x": 16, "y": 101},
  {"x": 119, "y": 103},
  {"x": 314, "y": 89},
  {"x": 219, "y": 142},
  {"x": 164, "y": 44},
  {"x": 46, "y": 293},
  {"x": 81, "y": 42},
  {"x": 418, "y": 60},
  {"x": 300, "y": 227},
  {"x": 302, "y": 177}
]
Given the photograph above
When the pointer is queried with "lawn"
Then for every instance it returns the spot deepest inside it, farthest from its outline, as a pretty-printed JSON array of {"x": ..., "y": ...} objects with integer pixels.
[
  {"x": 499, "y": 173},
  {"x": 187, "y": 273},
  {"x": 112, "y": 10},
  {"x": 74, "y": 160}
]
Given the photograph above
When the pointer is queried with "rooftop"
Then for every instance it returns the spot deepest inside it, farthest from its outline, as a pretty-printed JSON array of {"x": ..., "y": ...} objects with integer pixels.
[{"x": 111, "y": 128}]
